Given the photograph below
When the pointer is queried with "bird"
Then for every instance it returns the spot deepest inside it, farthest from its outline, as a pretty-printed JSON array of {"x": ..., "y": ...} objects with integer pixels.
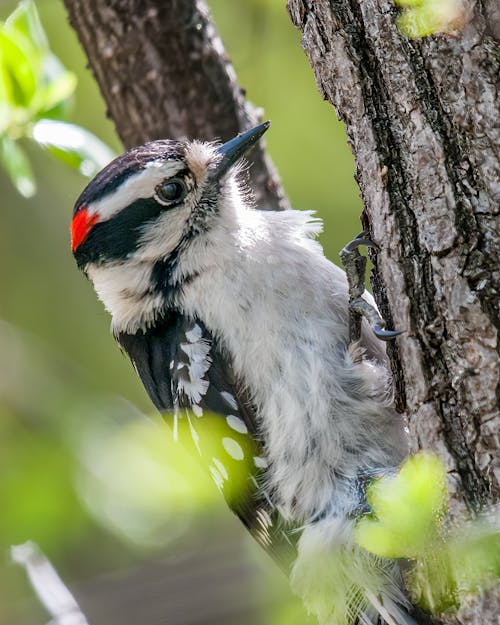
[{"x": 230, "y": 310}]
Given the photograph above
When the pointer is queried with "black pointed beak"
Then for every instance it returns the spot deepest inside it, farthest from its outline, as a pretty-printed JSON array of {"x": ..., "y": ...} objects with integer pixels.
[{"x": 234, "y": 149}]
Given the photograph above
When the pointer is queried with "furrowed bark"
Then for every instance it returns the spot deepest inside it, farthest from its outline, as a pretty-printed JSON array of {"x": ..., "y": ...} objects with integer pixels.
[
  {"x": 422, "y": 121},
  {"x": 163, "y": 73}
]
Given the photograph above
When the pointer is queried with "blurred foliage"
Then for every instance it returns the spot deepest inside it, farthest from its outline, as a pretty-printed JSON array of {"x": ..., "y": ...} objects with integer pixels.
[
  {"x": 117, "y": 460},
  {"x": 35, "y": 90},
  {"x": 407, "y": 509},
  {"x": 83, "y": 472},
  {"x": 431, "y": 17},
  {"x": 409, "y": 520}
]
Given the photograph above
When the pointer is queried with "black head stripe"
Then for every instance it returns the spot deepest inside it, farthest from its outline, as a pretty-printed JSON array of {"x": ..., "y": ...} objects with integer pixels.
[
  {"x": 126, "y": 165},
  {"x": 119, "y": 236}
]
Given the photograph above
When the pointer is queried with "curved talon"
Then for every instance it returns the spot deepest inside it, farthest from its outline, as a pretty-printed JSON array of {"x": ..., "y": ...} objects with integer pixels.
[
  {"x": 355, "y": 266},
  {"x": 355, "y": 243},
  {"x": 386, "y": 335},
  {"x": 360, "y": 239}
]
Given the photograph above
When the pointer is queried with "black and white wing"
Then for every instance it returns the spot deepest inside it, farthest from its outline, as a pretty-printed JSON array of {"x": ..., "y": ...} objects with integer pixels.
[{"x": 187, "y": 376}]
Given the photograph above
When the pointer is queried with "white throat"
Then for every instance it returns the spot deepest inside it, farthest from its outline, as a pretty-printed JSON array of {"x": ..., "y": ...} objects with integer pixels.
[{"x": 124, "y": 289}]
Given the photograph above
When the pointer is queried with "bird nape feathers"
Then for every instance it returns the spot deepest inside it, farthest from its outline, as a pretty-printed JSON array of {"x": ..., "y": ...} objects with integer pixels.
[{"x": 230, "y": 310}]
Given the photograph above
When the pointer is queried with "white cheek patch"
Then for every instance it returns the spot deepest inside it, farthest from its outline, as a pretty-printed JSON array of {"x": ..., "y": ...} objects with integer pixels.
[
  {"x": 162, "y": 237},
  {"x": 140, "y": 185}
]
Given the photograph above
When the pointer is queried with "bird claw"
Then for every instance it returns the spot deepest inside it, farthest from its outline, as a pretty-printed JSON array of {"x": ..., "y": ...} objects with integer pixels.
[
  {"x": 355, "y": 268},
  {"x": 385, "y": 335},
  {"x": 360, "y": 239}
]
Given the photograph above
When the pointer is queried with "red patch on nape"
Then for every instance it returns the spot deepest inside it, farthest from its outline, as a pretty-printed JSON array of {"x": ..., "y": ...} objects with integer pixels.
[{"x": 80, "y": 226}]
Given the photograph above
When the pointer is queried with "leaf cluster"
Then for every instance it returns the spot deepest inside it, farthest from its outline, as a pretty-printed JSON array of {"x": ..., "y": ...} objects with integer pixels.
[
  {"x": 410, "y": 520},
  {"x": 421, "y": 18},
  {"x": 36, "y": 93}
]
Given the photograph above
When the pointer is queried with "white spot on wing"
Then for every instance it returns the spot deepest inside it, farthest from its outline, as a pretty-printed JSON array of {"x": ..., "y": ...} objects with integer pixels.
[
  {"x": 263, "y": 517},
  {"x": 198, "y": 410},
  {"x": 221, "y": 468},
  {"x": 236, "y": 424},
  {"x": 194, "y": 334},
  {"x": 198, "y": 364},
  {"x": 233, "y": 448},
  {"x": 260, "y": 463},
  {"x": 196, "y": 352},
  {"x": 230, "y": 400},
  {"x": 265, "y": 523},
  {"x": 217, "y": 477}
]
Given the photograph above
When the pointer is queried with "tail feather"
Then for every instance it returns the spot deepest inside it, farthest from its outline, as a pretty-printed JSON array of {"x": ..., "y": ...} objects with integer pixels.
[
  {"x": 390, "y": 612},
  {"x": 342, "y": 584}
]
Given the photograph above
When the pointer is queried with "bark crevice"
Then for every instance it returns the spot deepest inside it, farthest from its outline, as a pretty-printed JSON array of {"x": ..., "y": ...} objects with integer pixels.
[{"x": 421, "y": 119}]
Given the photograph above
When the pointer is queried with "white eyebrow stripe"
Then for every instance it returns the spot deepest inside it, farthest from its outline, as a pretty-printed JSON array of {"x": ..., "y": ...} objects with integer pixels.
[{"x": 139, "y": 185}]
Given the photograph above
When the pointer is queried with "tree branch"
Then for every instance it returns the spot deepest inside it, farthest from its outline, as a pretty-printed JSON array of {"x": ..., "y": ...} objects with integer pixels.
[{"x": 163, "y": 73}]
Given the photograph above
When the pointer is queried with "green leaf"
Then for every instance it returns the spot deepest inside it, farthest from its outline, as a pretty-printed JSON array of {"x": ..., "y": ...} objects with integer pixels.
[
  {"x": 420, "y": 22},
  {"x": 407, "y": 509},
  {"x": 408, "y": 522},
  {"x": 33, "y": 79},
  {"x": 73, "y": 145},
  {"x": 429, "y": 17},
  {"x": 25, "y": 20},
  {"x": 19, "y": 68},
  {"x": 468, "y": 560},
  {"x": 409, "y": 3},
  {"x": 52, "y": 68},
  {"x": 475, "y": 554},
  {"x": 34, "y": 84},
  {"x": 433, "y": 582},
  {"x": 54, "y": 93},
  {"x": 17, "y": 166},
  {"x": 5, "y": 106}
]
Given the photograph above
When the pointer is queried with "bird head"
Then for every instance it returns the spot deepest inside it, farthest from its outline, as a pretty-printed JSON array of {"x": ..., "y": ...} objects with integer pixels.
[
  {"x": 138, "y": 221},
  {"x": 148, "y": 200}
]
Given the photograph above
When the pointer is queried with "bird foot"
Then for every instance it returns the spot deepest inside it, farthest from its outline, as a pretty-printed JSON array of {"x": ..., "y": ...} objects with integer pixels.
[{"x": 355, "y": 268}]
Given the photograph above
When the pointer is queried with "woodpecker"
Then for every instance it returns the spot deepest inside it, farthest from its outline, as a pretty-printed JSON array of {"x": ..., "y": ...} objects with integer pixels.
[{"x": 230, "y": 310}]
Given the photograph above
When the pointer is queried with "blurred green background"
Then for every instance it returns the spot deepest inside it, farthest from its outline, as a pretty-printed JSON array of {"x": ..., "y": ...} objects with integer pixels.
[{"x": 83, "y": 472}]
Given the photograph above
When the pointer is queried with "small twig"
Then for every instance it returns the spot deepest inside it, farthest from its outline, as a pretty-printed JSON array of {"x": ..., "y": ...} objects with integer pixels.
[{"x": 49, "y": 587}]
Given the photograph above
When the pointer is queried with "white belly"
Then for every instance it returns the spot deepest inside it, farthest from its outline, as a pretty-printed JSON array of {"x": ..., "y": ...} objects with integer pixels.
[{"x": 288, "y": 346}]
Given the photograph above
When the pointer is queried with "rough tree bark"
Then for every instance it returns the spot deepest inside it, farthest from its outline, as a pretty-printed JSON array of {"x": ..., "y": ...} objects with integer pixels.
[
  {"x": 422, "y": 121},
  {"x": 163, "y": 73}
]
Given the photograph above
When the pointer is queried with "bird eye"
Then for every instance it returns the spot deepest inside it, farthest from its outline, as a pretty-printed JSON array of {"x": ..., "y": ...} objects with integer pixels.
[{"x": 170, "y": 191}]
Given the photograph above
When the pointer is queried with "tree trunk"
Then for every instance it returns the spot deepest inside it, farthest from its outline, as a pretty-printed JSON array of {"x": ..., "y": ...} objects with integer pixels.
[
  {"x": 422, "y": 121},
  {"x": 163, "y": 73}
]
